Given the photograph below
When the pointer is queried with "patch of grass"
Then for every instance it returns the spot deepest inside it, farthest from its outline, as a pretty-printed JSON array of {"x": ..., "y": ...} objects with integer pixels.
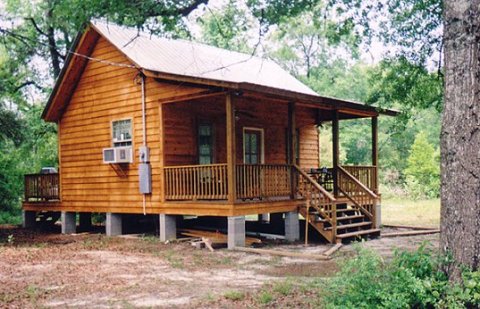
[
  {"x": 284, "y": 288},
  {"x": 150, "y": 239},
  {"x": 234, "y": 295},
  {"x": 265, "y": 297},
  {"x": 174, "y": 260},
  {"x": 401, "y": 211}
]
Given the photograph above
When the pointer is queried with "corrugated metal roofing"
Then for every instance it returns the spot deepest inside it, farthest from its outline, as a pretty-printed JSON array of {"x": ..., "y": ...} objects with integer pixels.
[{"x": 193, "y": 59}]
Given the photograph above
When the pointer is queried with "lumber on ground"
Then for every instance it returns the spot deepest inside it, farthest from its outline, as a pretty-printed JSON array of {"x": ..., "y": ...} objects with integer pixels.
[
  {"x": 320, "y": 257},
  {"x": 216, "y": 237},
  {"x": 421, "y": 228},
  {"x": 409, "y": 233}
]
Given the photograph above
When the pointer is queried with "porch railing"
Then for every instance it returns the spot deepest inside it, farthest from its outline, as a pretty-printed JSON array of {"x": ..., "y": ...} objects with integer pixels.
[
  {"x": 366, "y": 174},
  {"x": 359, "y": 194},
  {"x": 41, "y": 187},
  {"x": 263, "y": 180},
  {"x": 195, "y": 182}
]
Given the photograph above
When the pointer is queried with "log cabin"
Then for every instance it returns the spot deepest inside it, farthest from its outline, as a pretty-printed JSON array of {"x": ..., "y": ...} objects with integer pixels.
[{"x": 171, "y": 128}]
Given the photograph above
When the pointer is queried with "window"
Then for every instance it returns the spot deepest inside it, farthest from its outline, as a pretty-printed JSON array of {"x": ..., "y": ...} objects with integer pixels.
[
  {"x": 122, "y": 133},
  {"x": 252, "y": 145},
  {"x": 205, "y": 144}
]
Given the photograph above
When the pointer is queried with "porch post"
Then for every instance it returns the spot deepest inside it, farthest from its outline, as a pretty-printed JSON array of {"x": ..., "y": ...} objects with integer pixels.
[
  {"x": 375, "y": 150},
  {"x": 292, "y": 136},
  {"x": 231, "y": 152},
  {"x": 336, "y": 150},
  {"x": 161, "y": 147}
]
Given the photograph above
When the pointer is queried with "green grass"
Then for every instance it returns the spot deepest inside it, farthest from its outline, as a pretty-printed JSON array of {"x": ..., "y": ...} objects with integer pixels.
[
  {"x": 234, "y": 295},
  {"x": 401, "y": 211}
]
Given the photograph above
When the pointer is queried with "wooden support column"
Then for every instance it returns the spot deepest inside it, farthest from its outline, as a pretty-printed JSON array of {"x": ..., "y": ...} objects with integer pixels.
[
  {"x": 292, "y": 142},
  {"x": 231, "y": 152},
  {"x": 375, "y": 150},
  {"x": 336, "y": 151},
  {"x": 162, "y": 153}
]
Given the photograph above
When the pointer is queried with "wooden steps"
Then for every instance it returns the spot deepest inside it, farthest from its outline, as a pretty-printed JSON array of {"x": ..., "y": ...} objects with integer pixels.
[{"x": 353, "y": 225}]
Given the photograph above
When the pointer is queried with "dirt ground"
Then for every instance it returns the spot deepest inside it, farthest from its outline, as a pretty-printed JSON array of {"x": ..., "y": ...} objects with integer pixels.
[{"x": 39, "y": 269}]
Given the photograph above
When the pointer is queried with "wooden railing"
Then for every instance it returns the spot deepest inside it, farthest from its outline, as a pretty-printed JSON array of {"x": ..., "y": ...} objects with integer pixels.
[
  {"x": 360, "y": 195},
  {"x": 317, "y": 197},
  {"x": 263, "y": 180},
  {"x": 41, "y": 187},
  {"x": 196, "y": 182},
  {"x": 366, "y": 174}
]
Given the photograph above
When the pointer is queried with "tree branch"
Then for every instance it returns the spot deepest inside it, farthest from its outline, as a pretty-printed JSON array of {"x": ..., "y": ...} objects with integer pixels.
[{"x": 35, "y": 25}]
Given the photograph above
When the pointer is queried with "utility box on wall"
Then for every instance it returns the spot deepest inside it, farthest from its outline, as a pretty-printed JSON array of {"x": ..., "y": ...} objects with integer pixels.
[{"x": 145, "y": 178}]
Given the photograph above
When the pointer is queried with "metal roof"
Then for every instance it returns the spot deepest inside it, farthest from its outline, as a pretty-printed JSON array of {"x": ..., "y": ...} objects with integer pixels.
[{"x": 192, "y": 59}]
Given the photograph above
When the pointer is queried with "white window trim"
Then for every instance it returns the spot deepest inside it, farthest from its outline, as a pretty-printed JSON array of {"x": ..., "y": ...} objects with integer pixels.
[
  {"x": 262, "y": 143},
  {"x": 111, "y": 130}
]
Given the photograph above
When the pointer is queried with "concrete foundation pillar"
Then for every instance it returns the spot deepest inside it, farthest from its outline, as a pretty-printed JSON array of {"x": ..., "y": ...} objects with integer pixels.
[
  {"x": 85, "y": 221},
  {"x": 292, "y": 226},
  {"x": 113, "y": 224},
  {"x": 168, "y": 227},
  {"x": 69, "y": 222},
  {"x": 236, "y": 232},
  {"x": 28, "y": 219},
  {"x": 378, "y": 217}
]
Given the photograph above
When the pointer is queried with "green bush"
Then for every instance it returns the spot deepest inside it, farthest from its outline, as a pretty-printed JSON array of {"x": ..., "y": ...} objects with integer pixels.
[{"x": 409, "y": 280}]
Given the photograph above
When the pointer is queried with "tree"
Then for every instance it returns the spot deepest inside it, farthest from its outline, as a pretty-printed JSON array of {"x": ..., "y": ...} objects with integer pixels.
[
  {"x": 423, "y": 168},
  {"x": 460, "y": 137}
]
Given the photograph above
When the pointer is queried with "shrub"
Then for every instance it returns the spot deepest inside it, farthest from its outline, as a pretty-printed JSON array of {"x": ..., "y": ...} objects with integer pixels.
[{"x": 409, "y": 280}]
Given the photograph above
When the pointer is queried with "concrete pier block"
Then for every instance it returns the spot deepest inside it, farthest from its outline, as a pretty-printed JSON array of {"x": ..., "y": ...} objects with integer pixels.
[
  {"x": 378, "y": 217},
  {"x": 113, "y": 224},
  {"x": 28, "y": 219},
  {"x": 168, "y": 227},
  {"x": 236, "y": 232},
  {"x": 85, "y": 221},
  {"x": 69, "y": 222},
  {"x": 292, "y": 226}
]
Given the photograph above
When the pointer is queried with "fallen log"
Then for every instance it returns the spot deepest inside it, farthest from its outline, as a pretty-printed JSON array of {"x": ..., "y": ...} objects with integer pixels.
[
  {"x": 409, "y": 233},
  {"x": 319, "y": 257}
]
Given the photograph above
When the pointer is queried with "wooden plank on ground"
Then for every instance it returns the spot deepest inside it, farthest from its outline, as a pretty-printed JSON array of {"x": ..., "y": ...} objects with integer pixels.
[
  {"x": 320, "y": 257},
  {"x": 217, "y": 237},
  {"x": 410, "y": 233},
  {"x": 421, "y": 228}
]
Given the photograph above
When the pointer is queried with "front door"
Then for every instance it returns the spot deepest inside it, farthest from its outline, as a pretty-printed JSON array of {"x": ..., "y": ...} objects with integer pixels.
[
  {"x": 252, "y": 146},
  {"x": 249, "y": 175}
]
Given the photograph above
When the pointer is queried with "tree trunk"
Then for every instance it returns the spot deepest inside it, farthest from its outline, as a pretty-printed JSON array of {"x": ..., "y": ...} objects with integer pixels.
[{"x": 460, "y": 137}]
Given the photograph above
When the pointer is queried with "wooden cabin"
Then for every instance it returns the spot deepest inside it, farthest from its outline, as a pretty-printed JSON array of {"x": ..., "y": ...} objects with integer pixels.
[{"x": 148, "y": 125}]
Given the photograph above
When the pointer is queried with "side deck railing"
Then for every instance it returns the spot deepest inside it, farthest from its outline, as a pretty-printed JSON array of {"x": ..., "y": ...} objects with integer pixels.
[
  {"x": 263, "y": 180},
  {"x": 210, "y": 181},
  {"x": 196, "y": 182},
  {"x": 42, "y": 187}
]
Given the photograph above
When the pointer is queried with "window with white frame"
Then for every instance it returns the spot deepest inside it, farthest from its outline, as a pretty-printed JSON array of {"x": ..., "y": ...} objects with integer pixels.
[{"x": 122, "y": 132}]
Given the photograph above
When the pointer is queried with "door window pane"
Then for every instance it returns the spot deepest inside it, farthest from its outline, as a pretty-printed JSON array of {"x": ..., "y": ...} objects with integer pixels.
[{"x": 205, "y": 144}]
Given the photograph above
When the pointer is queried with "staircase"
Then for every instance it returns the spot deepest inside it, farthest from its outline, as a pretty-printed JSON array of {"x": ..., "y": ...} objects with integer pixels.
[{"x": 336, "y": 221}]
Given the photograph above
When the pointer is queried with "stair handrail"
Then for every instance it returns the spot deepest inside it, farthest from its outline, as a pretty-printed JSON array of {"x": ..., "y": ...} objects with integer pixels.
[
  {"x": 326, "y": 206},
  {"x": 315, "y": 184},
  {"x": 360, "y": 184},
  {"x": 358, "y": 202}
]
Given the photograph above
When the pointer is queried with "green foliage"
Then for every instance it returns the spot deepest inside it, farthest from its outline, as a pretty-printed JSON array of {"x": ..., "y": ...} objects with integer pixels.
[
  {"x": 423, "y": 168},
  {"x": 409, "y": 280},
  {"x": 226, "y": 28},
  {"x": 234, "y": 295}
]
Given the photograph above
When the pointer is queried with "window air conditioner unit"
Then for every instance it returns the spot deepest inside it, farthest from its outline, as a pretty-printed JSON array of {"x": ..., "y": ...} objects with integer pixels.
[{"x": 117, "y": 155}]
